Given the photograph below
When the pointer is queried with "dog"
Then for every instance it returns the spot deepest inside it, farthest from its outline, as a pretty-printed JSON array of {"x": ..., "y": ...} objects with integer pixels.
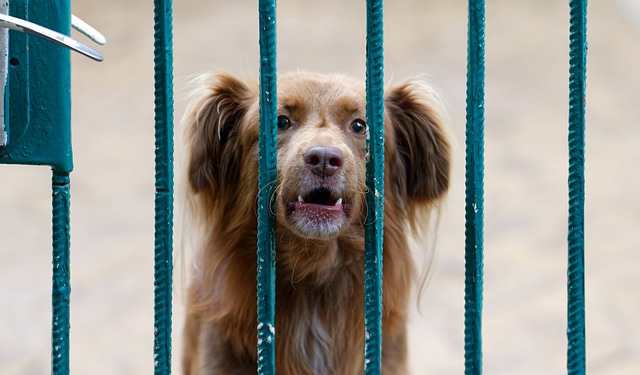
[{"x": 320, "y": 209}]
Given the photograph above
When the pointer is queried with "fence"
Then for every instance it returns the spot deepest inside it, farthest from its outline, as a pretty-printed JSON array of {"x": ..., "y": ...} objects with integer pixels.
[{"x": 36, "y": 129}]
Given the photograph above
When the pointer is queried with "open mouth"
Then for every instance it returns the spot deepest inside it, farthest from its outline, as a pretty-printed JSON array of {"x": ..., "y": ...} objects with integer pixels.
[
  {"x": 319, "y": 212},
  {"x": 319, "y": 199}
]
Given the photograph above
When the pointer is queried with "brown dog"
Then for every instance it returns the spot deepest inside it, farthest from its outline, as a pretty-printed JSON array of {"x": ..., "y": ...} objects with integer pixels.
[{"x": 320, "y": 210}]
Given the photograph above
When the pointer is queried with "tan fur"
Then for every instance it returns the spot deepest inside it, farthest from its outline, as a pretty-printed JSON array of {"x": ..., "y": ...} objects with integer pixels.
[{"x": 319, "y": 327}]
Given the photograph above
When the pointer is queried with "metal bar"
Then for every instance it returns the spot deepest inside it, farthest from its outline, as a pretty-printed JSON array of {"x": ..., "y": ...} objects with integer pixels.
[
  {"x": 163, "y": 250},
  {"x": 267, "y": 159},
  {"x": 374, "y": 225},
  {"x": 61, "y": 289},
  {"x": 4, "y": 70},
  {"x": 576, "y": 356},
  {"x": 474, "y": 190}
]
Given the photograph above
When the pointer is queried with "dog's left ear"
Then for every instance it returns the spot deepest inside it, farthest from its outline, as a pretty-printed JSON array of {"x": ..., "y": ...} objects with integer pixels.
[
  {"x": 213, "y": 124},
  {"x": 423, "y": 150}
]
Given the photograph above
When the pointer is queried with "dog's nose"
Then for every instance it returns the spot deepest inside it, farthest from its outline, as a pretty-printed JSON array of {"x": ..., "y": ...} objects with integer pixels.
[{"x": 323, "y": 160}]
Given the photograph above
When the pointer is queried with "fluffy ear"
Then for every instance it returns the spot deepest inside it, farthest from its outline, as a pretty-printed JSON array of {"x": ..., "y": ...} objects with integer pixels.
[
  {"x": 213, "y": 122},
  {"x": 423, "y": 151}
]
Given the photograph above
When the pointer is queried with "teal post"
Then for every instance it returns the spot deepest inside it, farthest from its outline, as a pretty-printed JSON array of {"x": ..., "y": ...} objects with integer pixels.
[
  {"x": 576, "y": 357},
  {"x": 474, "y": 190},
  {"x": 39, "y": 99},
  {"x": 163, "y": 259},
  {"x": 267, "y": 160},
  {"x": 374, "y": 225}
]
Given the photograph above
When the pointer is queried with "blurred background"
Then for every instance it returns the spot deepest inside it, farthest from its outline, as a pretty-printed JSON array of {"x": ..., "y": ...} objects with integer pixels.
[{"x": 526, "y": 173}]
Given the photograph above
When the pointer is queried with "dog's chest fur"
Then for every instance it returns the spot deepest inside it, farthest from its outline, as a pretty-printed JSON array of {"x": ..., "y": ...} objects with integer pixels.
[
  {"x": 319, "y": 319},
  {"x": 321, "y": 327},
  {"x": 319, "y": 331}
]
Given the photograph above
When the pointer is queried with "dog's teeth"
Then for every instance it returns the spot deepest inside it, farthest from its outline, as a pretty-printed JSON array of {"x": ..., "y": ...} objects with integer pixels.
[
  {"x": 338, "y": 202},
  {"x": 300, "y": 199}
]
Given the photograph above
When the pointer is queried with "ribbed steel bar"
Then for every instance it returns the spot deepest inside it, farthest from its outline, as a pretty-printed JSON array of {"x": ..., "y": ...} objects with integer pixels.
[
  {"x": 163, "y": 247},
  {"x": 374, "y": 226},
  {"x": 474, "y": 190},
  {"x": 61, "y": 289},
  {"x": 576, "y": 357},
  {"x": 266, "y": 249}
]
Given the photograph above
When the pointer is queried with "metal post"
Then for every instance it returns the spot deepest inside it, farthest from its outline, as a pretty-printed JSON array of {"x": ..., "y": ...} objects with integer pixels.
[
  {"x": 474, "y": 191},
  {"x": 4, "y": 64},
  {"x": 61, "y": 288},
  {"x": 163, "y": 260},
  {"x": 374, "y": 226},
  {"x": 576, "y": 357},
  {"x": 267, "y": 160}
]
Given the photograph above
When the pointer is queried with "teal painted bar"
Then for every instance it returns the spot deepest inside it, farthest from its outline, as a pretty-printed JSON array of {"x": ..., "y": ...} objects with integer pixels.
[
  {"x": 163, "y": 249},
  {"x": 39, "y": 90},
  {"x": 474, "y": 190},
  {"x": 576, "y": 351},
  {"x": 374, "y": 226},
  {"x": 61, "y": 280},
  {"x": 267, "y": 160}
]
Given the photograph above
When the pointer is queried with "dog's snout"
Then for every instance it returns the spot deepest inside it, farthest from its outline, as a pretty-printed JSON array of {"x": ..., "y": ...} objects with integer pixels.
[{"x": 323, "y": 160}]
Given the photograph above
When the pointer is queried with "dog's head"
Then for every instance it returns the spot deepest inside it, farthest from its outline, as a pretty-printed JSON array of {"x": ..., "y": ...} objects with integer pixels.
[{"x": 322, "y": 152}]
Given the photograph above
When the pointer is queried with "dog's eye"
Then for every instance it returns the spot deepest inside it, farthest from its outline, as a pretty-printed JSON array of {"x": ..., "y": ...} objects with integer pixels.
[
  {"x": 283, "y": 122},
  {"x": 358, "y": 126}
]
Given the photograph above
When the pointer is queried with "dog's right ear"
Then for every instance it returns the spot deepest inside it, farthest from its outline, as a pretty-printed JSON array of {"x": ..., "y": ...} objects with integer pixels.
[{"x": 213, "y": 123}]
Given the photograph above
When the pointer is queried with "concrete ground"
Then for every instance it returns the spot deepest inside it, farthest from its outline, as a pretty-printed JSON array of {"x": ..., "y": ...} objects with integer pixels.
[{"x": 526, "y": 172}]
